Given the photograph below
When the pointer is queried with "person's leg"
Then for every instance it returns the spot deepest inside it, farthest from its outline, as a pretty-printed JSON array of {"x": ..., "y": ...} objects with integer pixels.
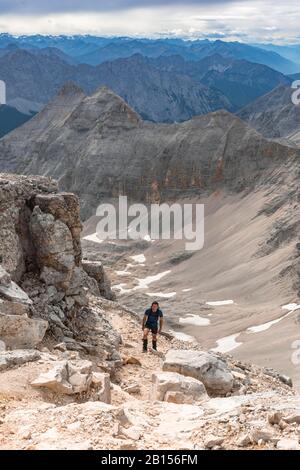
[
  {"x": 154, "y": 339},
  {"x": 145, "y": 339}
]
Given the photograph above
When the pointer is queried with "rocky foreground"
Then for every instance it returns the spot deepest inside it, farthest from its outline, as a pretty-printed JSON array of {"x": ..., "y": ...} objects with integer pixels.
[
  {"x": 72, "y": 375},
  {"x": 70, "y": 400}
]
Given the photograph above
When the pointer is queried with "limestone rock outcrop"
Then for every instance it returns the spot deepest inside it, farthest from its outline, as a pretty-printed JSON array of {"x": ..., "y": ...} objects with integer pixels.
[
  {"x": 42, "y": 281},
  {"x": 210, "y": 370}
]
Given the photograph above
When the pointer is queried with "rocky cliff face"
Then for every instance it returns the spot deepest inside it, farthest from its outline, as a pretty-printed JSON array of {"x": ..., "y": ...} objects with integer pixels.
[
  {"x": 274, "y": 114},
  {"x": 43, "y": 283},
  {"x": 109, "y": 150}
]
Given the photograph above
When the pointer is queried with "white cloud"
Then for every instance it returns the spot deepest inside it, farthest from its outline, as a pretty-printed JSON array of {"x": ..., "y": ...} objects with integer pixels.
[{"x": 251, "y": 20}]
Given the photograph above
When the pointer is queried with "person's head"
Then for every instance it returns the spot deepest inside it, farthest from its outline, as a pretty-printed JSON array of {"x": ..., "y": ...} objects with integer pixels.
[{"x": 154, "y": 306}]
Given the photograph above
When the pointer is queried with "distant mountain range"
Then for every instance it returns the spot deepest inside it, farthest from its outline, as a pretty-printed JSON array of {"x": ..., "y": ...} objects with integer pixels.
[
  {"x": 164, "y": 89},
  {"x": 157, "y": 95},
  {"x": 95, "y": 50},
  {"x": 290, "y": 52},
  {"x": 165, "y": 80}
]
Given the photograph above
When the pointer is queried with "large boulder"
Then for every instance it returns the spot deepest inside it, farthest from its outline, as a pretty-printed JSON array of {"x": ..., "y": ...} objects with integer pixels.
[
  {"x": 56, "y": 379},
  {"x": 170, "y": 386},
  {"x": 203, "y": 366},
  {"x": 73, "y": 377},
  {"x": 17, "y": 358},
  {"x": 21, "y": 332}
]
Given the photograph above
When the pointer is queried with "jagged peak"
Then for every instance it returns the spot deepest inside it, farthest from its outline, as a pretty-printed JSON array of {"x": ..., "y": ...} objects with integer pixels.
[
  {"x": 113, "y": 102},
  {"x": 105, "y": 92},
  {"x": 221, "y": 114},
  {"x": 70, "y": 89}
]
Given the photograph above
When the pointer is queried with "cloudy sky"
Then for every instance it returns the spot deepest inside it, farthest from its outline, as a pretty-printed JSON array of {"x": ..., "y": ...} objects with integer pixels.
[{"x": 244, "y": 20}]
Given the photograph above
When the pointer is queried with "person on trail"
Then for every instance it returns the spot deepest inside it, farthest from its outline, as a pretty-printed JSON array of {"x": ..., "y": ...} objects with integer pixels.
[{"x": 152, "y": 317}]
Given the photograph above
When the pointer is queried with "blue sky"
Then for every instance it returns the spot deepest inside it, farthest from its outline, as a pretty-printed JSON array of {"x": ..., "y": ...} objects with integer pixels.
[{"x": 244, "y": 20}]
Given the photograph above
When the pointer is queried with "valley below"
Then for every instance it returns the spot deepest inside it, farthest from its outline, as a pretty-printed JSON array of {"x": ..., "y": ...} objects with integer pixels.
[{"x": 236, "y": 295}]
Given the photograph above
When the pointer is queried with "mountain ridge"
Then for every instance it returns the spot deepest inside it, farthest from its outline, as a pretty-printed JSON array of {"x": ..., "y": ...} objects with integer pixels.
[{"x": 101, "y": 136}]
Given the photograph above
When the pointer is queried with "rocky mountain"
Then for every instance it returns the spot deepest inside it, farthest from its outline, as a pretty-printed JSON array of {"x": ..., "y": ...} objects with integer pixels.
[
  {"x": 11, "y": 118},
  {"x": 240, "y": 81},
  {"x": 45, "y": 51},
  {"x": 108, "y": 148},
  {"x": 274, "y": 114},
  {"x": 173, "y": 97}
]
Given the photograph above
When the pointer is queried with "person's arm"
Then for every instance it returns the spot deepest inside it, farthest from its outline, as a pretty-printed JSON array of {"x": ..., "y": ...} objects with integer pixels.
[{"x": 144, "y": 321}]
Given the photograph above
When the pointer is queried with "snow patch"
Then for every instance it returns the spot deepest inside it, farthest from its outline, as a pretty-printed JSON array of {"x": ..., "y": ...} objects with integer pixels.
[
  {"x": 142, "y": 283},
  {"x": 229, "y": 343},
  {"x": 183, "y": 336},
  {"x": 265, "y": 326},
  {"x": 138, "y": 258},
  {"x": 194, "y": 320},
  {"x": 291, "y": 307},
  {"x": 219, "y": 303}
]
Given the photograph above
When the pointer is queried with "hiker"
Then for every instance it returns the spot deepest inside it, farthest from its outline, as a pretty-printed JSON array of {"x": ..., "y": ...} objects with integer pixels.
[{"x": 151, "y": 318}]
